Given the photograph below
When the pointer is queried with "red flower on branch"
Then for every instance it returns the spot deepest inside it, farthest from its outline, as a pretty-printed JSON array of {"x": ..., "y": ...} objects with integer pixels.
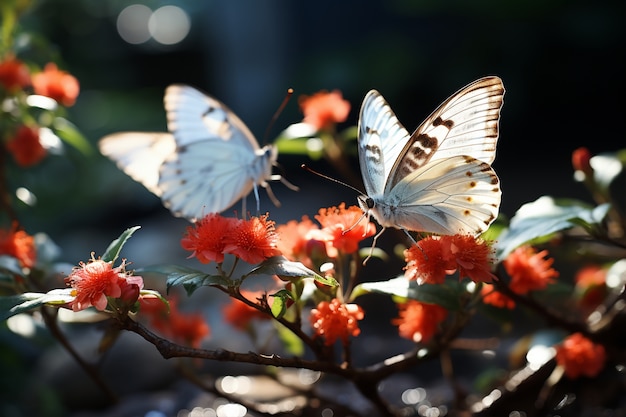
[
  {"x": 297, "y": 242},
  {"x": 529, "y": 270},
  {"x": 56, "y": 84},
  {"x": 591, "y": 286},
  {"x": 205, "y": 239},
  {"x": 240, "y": 314},
  {"x": 18, "y": 244},
  {"x": 323, "y": 109},
  {"x": 96, "y": 280},
  {"x": 419, "y": 321},
  {"x": 14, "y": 74},
  {"x": 579, "y": 356},
  {"x": 335, "y": 320},
  {"x": 252, "y": 240},
  {"x": 340, "y": 229},
  {"x": 434, "y": 257},
  {"x": 26, "y": 147},
  {"x": 495, "y": 298}
]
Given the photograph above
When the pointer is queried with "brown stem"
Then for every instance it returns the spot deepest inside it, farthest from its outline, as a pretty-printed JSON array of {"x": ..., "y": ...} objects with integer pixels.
[{"x": 52, "y": 324}]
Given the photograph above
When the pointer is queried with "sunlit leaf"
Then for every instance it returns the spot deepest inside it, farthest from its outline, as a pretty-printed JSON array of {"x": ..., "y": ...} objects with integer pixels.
[
  {"x": 20, "y": 303},
  {"x": 446, "y": 295},
  {"x": 280, "y": 302},
  {"x": 536, "y": 222},
  {"x": 288, "y": 270},
  {"x": 291, "y": 342},
  {"x": 114, "y": 249},
  {"x": 191, "y": 279}
]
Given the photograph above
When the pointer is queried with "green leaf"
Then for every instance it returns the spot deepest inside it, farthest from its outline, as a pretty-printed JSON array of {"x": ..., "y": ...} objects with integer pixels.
[
  {"x": 536, "y": 222},
  {"x": 446, "y": 295},
  {"x": 12, "y": 266},
  {"x": 114, "y": 249},
  {"x": 280, "y": 302},
  {"x": 67, "y": 131},
  {"x": 288, "y": 271},
  {"x": 21, "y": 303},
  {"x": 191, "y": 279}
]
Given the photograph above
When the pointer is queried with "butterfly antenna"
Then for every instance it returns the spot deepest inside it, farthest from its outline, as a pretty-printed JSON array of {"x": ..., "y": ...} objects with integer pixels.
[
  {"x": 278, "y": 112},
  {"x": 335, "y": 180}
]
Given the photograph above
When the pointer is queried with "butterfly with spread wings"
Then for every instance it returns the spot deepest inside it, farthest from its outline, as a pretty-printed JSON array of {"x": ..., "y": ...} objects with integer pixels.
[
  {"x": 207, "y": 162},
  {"x": 438, "y": 179}
]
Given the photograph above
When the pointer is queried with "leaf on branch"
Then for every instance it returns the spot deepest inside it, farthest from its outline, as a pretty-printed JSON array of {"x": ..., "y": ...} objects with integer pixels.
[
  {"x": 21, "y": 303},
  {"x": 289, "y": 271},
  {"x": 446, "y": 295},
  {"x": 69, "y": 133},
  {"x": 280, "y": 302},
  {"x": 191, "y": 279},
  {"x": 114, "y": 249},
  {"x": 536, "y": 222}
]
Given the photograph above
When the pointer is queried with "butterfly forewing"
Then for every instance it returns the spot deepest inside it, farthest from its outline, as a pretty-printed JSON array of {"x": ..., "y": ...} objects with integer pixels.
[
  {"x": 193, "y": 116},
  {"x": 381, "y": 139},
  {"x": 464, "y": 124}
]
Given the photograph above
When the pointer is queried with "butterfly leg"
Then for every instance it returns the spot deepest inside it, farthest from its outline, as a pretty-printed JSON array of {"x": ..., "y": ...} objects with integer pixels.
[{"x": 373, "y": 245}]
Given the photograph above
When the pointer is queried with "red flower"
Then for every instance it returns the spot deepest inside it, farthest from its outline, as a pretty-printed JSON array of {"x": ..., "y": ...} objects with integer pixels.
[
  {"x": 340, "y": 229},
  {"x": 529, "y": 271},
  {"x": 206, "y": 238},
  {"x": 495, "y": 298},
  {"x": 173, "y": 324},
  {"x": 19, "y": 244},
  {"x": 240, "y": 314},
  {"x": 96, "y": 280},
  {"x": 581, "y": 158},
  {"x": 429, "y": 261},
  {"x": 296, "y": 241},
  {"x": 334, "y": 320},
  {"x": 56, "y": 84},
  {"x": 580, "y": 356},
  {"x": 473, "y": 257},
  {"x": 323, "y": 110},
  {"x": 14, "y": 74},
  {"x": 591, "y": 286},
  {"x": 26, "y": 147},
  {"x": 419, "y": 321},
  {"x": 252, "y": 240},
  {"x": 434, "y": 257}
]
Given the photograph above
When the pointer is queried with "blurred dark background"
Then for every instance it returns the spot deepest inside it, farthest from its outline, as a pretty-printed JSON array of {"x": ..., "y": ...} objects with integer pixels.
[{"x": 562, "y": 63}]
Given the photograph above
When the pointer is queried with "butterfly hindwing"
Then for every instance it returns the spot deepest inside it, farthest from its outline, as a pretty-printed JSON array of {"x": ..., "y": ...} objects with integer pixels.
[{"x": 139, "y": 154}]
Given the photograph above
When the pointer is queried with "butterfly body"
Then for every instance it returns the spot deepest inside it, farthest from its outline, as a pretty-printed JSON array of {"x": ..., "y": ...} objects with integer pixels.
[
  {"x": 438, "y": 179},
  {"x": 207, "y": 162}
]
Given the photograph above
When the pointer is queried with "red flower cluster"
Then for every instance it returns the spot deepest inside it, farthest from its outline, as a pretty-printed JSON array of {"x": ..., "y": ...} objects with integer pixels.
[
  {"x": 296, "y": 242},
  {"x": 172, "y": 323},
  {"x": 323, "y": 110},
  {"x": 25, "y": 146},
  {"x": 19, "y": 244},
  {"x": 342, "y": 229},
  {"x": 14, "y": 74},
  {"x": 240, "y": 314},
  {"x": 56, "y": 84},
  {"x": 96, "y": 280},
  {"x": 529, "y": 271},
  {"x": 252, "y": 240},
  {"x": 335, "y": 320},
  {"x": 579, "y": 356},
  {"x": 419, "y": 321},
  {"x": 434, "y": 257}
]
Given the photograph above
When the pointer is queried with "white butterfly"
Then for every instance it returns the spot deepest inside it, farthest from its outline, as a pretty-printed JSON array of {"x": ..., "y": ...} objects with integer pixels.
[
  {"x": 438, "y": 179},
  {"x": 208, "y": 162}
]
